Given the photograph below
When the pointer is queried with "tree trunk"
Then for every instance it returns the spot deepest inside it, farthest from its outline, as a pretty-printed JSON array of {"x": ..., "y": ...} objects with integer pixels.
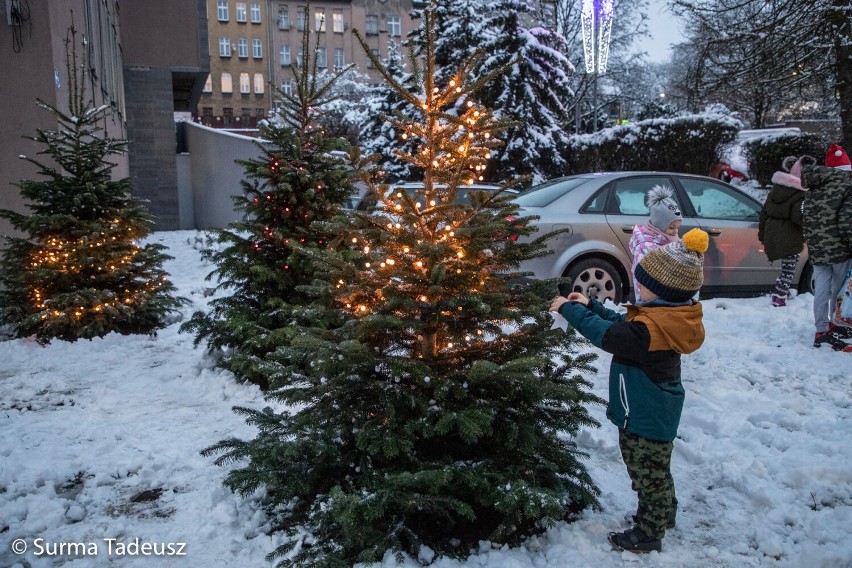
[{"x": 844, "y": 92}]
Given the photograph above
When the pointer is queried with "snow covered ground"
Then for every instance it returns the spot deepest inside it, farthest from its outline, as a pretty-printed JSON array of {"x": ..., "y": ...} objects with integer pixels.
[{"x": 99, "y": 453}]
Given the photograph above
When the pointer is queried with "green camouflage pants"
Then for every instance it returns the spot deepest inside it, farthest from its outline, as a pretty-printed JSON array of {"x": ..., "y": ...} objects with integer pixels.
[{"x": 649, "y": 466}]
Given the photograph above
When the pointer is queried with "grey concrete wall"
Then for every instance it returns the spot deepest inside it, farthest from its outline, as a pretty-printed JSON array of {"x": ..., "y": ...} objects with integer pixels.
[
  {"x": 214, "y": 175},
  {"x": 152, "y": 149},
  {"x": 184, "y": 181}
]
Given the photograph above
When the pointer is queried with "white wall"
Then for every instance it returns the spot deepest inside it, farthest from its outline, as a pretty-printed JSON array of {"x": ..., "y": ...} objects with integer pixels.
[{"x": 213, "y": 175}]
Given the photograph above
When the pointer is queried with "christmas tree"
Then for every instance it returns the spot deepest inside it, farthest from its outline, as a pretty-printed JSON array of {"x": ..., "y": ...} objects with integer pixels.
[
  {"x": 301, "y": 176},
  {"x": 80, "y": 272},
  {"x": 536, "y": 92},
  {"x": 443, "y": 410}
]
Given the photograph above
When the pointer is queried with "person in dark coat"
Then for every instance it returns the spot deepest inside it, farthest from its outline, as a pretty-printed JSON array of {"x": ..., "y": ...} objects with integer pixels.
[{"x": 780, "y": 228}]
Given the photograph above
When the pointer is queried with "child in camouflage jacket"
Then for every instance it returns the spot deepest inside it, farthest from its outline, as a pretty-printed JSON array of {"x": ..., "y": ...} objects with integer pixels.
[{"x": 827, "y": 228}]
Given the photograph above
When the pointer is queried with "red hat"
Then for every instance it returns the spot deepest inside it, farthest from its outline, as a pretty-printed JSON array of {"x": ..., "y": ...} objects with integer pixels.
[{"x": 837, "y": 158}]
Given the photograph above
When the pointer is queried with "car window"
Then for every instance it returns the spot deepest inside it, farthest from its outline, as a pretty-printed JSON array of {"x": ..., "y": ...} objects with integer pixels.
[
  {"x": 713, "y": 200},
  {"x": 597, "y": 204},
  {"x": 629, "y": 194},
  {"x": 548, "y": 192}
]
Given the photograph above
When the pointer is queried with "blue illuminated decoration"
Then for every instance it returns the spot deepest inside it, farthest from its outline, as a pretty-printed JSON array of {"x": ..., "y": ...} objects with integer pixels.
[{"x": 596, "y": 21}]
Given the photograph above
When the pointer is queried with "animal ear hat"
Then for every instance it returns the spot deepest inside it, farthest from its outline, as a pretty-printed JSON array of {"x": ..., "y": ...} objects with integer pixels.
[{"x": 663, "y": 209}]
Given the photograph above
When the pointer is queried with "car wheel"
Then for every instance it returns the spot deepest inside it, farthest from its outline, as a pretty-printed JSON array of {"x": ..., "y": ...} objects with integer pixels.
[
  {"x": 806, "y": 280},
  {"x": 595, "y": 278}
]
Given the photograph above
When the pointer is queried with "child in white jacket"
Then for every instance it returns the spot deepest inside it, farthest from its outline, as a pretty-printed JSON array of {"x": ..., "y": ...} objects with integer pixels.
[{"x": 661, "y": 229}]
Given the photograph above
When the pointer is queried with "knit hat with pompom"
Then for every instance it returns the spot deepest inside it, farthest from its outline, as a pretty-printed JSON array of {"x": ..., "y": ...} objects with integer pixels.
[
  {"x": 662, "y": 208},
  {"x": 675, "y": 272}
]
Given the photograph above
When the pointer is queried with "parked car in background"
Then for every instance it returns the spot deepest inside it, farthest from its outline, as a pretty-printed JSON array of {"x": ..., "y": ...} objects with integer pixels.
[{"x": 600, "y": 210}]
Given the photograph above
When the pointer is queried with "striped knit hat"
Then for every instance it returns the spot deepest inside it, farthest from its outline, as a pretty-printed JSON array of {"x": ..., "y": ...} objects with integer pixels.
[{"x": 675, "y": 272}]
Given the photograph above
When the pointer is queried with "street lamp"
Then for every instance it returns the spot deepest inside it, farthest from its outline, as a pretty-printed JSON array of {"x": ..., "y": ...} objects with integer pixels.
[{"x": 596, "y": 20}]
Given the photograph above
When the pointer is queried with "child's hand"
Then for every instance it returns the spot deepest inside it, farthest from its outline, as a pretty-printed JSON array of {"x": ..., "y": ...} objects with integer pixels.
[
  {"x": 578, "y": 297},
  {"x": 557, "y": 302}
]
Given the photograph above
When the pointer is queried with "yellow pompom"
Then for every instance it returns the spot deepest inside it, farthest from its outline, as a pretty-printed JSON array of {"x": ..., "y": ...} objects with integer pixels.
[{"x": 696, "y": 240}]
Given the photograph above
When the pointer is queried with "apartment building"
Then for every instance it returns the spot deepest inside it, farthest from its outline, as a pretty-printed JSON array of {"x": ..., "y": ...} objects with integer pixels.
[
  {"x": 253, "y": 46},
  {"x": 237, "y": 94}
]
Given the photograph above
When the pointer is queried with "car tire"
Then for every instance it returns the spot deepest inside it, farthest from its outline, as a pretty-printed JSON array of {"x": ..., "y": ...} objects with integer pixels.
[
  {"x": 806, "y": 280},
  {"x": 596, "y": 278}
]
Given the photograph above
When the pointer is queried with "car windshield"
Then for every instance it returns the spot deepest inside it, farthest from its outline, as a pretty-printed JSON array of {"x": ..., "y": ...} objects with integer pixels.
[{"x": 548, "y": 192}]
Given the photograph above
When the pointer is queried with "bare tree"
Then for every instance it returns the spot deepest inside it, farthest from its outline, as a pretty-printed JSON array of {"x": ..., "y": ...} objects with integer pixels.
[{"x": 767, "y": 55}]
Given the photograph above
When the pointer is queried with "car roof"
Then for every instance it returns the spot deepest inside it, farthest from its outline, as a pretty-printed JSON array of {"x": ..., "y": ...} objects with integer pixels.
[
  {"x": 630, "y": 173},
  {"x": 418, "y": 185}
]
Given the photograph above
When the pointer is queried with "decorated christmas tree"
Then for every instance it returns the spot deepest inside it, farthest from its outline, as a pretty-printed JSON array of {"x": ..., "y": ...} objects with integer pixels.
[
  {"x": 443, "y": 411},
  {"x": 80, "y": 271},
  {"x": 301, "y": 176}
]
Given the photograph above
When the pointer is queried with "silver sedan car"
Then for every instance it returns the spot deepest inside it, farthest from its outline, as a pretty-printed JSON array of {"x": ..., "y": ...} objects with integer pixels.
[{"x": 600, "y": 210}]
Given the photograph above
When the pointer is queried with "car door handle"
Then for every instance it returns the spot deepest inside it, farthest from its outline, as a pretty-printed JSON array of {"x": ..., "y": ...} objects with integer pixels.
[
  {"x": 627, "y": 228},
  {"x": 714, "y": 232}
]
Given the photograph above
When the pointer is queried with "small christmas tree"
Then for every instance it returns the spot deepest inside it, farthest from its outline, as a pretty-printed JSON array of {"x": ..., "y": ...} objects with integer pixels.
[
  {"x": 443, "y": 411},
  {"x": 80, "y": 272},
  {"x": 301, "y": 176}
]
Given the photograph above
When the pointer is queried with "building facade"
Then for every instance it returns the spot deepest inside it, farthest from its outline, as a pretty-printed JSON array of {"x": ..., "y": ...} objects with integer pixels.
[
  {"x": 128, "y": 70},
  {"x": 236, "y": 94},
  {"x": 158, "y": 83},
  {"x": 33, "y": 66},
  {"x": 244, "y": 77}
]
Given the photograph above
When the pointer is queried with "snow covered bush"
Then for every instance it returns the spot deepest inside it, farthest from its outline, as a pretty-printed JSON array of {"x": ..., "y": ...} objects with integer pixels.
[
  {"x": 689, "y": 144},
  {"x": 765, "y": 154}
]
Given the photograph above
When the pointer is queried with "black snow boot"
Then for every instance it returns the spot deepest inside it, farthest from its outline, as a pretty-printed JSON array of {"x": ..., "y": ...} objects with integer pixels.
[
  {"x": 634, "y": 540},
  {"x": 633, "y": 519}
]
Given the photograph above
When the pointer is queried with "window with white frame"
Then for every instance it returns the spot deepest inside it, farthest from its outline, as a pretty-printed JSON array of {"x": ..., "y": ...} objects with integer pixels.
[
  {"x": 338, "y": 58},
  {"x": 258, "y": 83},
  {"x": 224, "y": 47},
  {"x": 284, "y": 55},
  {"x": 287, "y": 87},
  {"x": 375, "y": 54},
  {"x": 283, "y": 18},
  {"x": 337, "y": 21},
  {"x": 319, "y": 20},
  {"x": 255, "y": 13},
  {"x": 222, "y": 10},
  {"x": 257, "y": 48},
  {"x": 241, "y": 12},
  {"x": 322, "y": 58},
  {"x": 208, "y": 84},
  {"x": 394, "y": 26},
  {"x": 372, "y": 25},
  {"x": 245, "y": 84},
  {"x": 299, "y": 57},
  {"x": 300, "y": 18},
  {"x": 242, "y": 48},
  {"x": 227, "y": 84}
]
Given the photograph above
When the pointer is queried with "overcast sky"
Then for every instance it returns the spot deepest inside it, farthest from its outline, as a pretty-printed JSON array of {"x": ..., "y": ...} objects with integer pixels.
[{"x": 664, "y": 31}]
